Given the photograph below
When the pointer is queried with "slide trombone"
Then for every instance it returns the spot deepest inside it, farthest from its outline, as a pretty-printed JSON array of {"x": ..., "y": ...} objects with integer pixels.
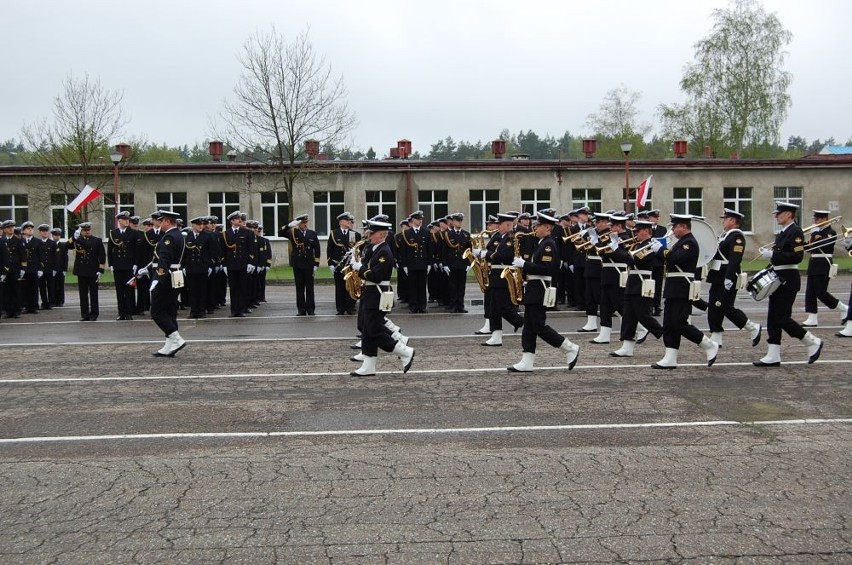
[{"x": 809, "y": 246}]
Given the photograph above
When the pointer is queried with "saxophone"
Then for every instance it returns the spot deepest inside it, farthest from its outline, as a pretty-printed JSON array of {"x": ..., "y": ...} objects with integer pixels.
[
  {"x": 350, "y": 276},
  {"x": 514, "y": 276},
  {"x": 479, "y": 264}
]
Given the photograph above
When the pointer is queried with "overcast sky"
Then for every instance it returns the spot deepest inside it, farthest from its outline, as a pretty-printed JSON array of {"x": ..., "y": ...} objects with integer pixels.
[{"x": 417, "y": 70}]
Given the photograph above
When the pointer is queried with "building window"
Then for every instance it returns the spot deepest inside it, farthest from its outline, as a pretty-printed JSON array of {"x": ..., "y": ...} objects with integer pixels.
[
  {"x": 791, "y": 194},
  {"x": 589, "y": 197},
  {"x": 327, "y": 206},
  {"x": 274, "y": 211},
  {"x": 534, "y": 199},
  {"x": 125, "y": 204},
  {"x": 482, "y": 203},
  {"x": 220, "y": 204},
  {"x": 382, "y": 202},
  {"x": 738, "y": 198},
  {"x": 687, "y": 200},
  {"x": 14, "y": 207},
  {"x": 433, "y": 203},
  {"x": 60, "y": 217},
  {"x": 174, "y": 202}
]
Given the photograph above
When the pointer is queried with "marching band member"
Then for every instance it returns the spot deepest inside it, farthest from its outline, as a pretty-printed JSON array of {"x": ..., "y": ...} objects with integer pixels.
[
  {"x": 592, "y": 273},
  {"x": 538, "y": 270},
  {"x": 490, "y": 226},
  {"x": 578, "y": 265},
  {"x": 847, "y": 329},
  {"x": 657, "y": 231},
  {"x": 637, "y": 306},
  {"x": 611, "y": 293},
  {"x": 375, "y": 272},
  {"x": 681, "y": 261},
  {"x": 785, "y": 257},
  {"x": 821, "y": 247},
  {"x": 500, "y": 253},
  {"x": 722, "y": 274}
]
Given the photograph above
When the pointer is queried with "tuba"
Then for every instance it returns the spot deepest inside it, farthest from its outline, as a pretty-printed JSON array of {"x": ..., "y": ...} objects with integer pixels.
[
  {"x": 478, "y": 264},
  {"x": 514, "y": 276},
  {"x": 350, "y": 276}
]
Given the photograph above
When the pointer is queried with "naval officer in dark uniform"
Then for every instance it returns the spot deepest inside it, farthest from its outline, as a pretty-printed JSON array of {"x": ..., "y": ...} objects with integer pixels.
[
  {"x": 239, "y": 243},
  {"x": 121, "y": 254},
  {"x": 305, "y": 259},
  {"x": 340, "y": 241},
  {"x": 89, "y": 265},
  {"x": 164, "y": 295}
]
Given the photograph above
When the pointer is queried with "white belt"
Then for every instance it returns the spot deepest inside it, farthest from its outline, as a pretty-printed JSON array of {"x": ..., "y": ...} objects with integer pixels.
[
  {"x": 175, "y": 266},
  {"x": 597, "y": 257},
  {"x": 639, "y": 272},
  {"x": 684, "y": 275},
  {"x": 495, "y": 266},
  {"x": 785, "y": 267},
  {"x": 723, "y": 261},
  {"x": 616, "y": 265},
  {"x": 538, "y": 278},
  {"x": 371, "y": 283},
  {"x": 826, "y": 255}
]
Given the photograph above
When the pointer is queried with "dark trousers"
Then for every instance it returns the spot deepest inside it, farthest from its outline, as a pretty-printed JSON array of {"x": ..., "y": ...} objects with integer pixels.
[
  {"x": 636, "y": 311},
  {"x": 675, "y": 324},
  {"x": 658, "y": 273},
  {"x": 417, "y": 290},
  {"x": 817, "y": 289},
  {"x": 12, "y": 294},
  {"x": 143, "y": 294},
  {"x": 124, "y": 292},
  {"x": 401, "y": 285},
  {"x": 780, "y": 315},
  {"x": 721, "y": 305},
  {"x": 304, "y": 290},
  {"x": 374, "y": 334},
  {"x": 579, "y": 286},
  {"x": 237, "y": 288},
  {"x": 535, "y": 326},
  {"x": 29, "y": 291},
  {"x": 261, "y": 286},
  {"x": 196, "y": 291},
  {"x": 164, "y": 307},
  {"x": 88, "y": 287},
  {"x": 486, "y": 303},
  {"x": 46, "y": 289},
  {"x": 342, "y": 301},
  {"x": 457, "y": 287},
  {"x": 59, "y": 289},
  {"x": 593, "y": 296},
  {"x": 612, "y": 300},
  {"x": 502, "y": 308}
]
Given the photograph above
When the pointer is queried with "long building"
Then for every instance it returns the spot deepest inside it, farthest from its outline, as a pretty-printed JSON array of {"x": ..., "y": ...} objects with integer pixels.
[{"x": 397, "y": 187}]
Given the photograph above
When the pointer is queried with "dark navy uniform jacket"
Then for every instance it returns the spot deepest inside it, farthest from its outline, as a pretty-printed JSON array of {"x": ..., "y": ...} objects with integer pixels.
[
  {"x": 239, "y": 248},
  {"x": 304, "y": 248},
  {"x": 822, "y": 243},
  {"x": 121, "y": 249},
  {"x": 540, "y": 263},
  {"x": 499, "y": 251},
  {"x": 453, "y": 250},
  {"x": 417, "y": 248},
  {"x": 731, "y": 247},
  {"x": 196, "y": 255},
  {"x": 682, "y": 256},
  {"x": 89, "y": 255},
  {"x": 169, "y": 251}
]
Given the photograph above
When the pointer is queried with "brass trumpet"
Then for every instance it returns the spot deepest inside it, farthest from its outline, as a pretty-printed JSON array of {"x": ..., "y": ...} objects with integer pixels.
[
  {"x": 645, "y": 250},
  {"x": 627, "y": 243},
  {"x": 587, "y": 244},
  {"x": 575, "y": 237}
]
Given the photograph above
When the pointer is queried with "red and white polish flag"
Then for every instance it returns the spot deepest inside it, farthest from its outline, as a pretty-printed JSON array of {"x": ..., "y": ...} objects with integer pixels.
[
  {"x": 643, "y": 191},
  {"x": 86, "y": 195}
]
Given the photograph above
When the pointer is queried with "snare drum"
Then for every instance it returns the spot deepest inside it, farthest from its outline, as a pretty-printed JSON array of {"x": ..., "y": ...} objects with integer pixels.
[{"x": 764, "y": 283}]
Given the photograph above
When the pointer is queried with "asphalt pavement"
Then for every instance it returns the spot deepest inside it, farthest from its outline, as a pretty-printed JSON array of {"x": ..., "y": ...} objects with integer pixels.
[{"x": 255, "y": 445}]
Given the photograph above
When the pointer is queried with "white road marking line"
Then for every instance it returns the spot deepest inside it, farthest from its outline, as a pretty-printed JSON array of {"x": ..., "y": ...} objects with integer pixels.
[
  {"x": 579, "y": 371},
  {"x": 420, "y": 431}
]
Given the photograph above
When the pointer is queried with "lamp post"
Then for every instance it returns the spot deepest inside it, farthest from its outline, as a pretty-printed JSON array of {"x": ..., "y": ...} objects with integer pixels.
[
  {"x": 626, "y": 147},
  {"x": 115, "y": 157}
]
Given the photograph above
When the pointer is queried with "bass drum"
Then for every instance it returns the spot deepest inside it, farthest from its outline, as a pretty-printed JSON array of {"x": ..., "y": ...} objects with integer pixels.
[
  {"x": 708, "y": 241},
  {"x": 764, "y": 283}
]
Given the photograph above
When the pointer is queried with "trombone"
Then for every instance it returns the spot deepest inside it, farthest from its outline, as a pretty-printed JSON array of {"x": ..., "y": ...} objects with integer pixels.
[{"x": 807, "y": 247}]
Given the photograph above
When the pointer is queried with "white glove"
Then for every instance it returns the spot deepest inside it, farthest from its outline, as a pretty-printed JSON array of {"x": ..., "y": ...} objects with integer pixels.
[
  {"x": 153, "y": 285},
  {"x": 111, "y": 269},
  {"x": 77, "y": 233},
  {"x": 183, "y": 271},
  {"x": 53, "y": 273},
  {"x": 593, "y": 237},
  {"x": 480, "y": 252},
  {"x": 249, "y": 269},
  {"x": 293, "y": 224},
  {"x": 2, "y": 278},
  {"x": 331, "y": 269},
  {"x": 813, "y": 231},
  {"x": 613, "y": 245},
  {"x": 356, "y": 265},
  {"x": 98, "y": 277},
  {"x": 466, "y": 269},
  {"x": 766, "y": 254},
  {"x": 446, "y": 269},
  {"x": 656, "y": 245},
  {"x": 209, "y": 271},
  {"x": 404, "y": 270},
  {"x": 21, "y": 275},
  {"x": 428, "y": 269},
  {"x": 225, "y": 270},
  {"x": 40, "y": 274},
  {"x": 847, "y": 243},
  {"x": 64, "y": 273},
  {"x": 518, "y": 262},
  {"x": 571, "y": 268},
  {"x": 143, "y": 273},
  {"x": 315, "y": 268},
  {"x": 134, "y": 269},
  {"x": 729, "y": 284}
]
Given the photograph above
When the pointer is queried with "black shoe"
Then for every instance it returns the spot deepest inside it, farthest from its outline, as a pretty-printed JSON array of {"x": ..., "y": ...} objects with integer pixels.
[
  {"x": 351, "y": 312},
  {"x": 31, "y": 311},
  {"x": 341, "y": 312},
  {"x": 311, "y": 314},
  {"x": 83, "y": 319},
  {"x": 762, "y": 364},
  {"x": 93, "y": 317},
  {"x": 656, "y": 366},
  {"x": 238, "y": 315},
  {"x": 302, "y": 314},
  {"x": 46, "y": 307},
  {"x": 460, "y": 311},
  {"x": 211, "y": 310}
]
